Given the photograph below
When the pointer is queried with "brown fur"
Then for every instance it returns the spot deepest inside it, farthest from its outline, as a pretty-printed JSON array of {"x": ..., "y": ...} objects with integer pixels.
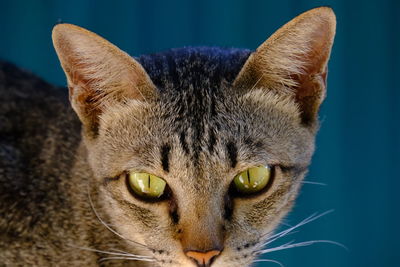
[{"x": 266, "y": 116}]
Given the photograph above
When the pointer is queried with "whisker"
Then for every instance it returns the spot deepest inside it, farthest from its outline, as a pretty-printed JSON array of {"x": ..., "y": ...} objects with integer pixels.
[
  {"x": 307, "y": 220},
  {"x": 300, "y": 244},
  {"x": 141, "y": 94},
  {"x": 124, "y": 258},
  {"x": 258, "y": 80},
  {"x": 118, "y": 250},
  {"x": 286, "y": 224},
  {"x": 108, "y": 227},
  {"x": 268, "y": 260},
  {"x": 286, "y": 234},
  {"x": 311, "y": 182},
  {"x": 143, "y": 125},
  {"x": 125, "y": 254}
]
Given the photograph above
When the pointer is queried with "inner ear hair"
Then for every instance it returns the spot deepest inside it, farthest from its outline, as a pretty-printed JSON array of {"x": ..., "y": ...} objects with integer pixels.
[
  {"x": 294, "y": 60},
  {"x": 99, "y": 74}
]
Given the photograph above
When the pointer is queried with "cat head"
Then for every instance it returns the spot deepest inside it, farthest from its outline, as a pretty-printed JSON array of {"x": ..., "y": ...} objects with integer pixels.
[{"x": 203, "y": 173}]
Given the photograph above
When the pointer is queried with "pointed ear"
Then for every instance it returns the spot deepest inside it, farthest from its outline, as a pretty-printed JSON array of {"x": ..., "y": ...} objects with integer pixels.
[
  {"x": 294, "y": 58},
  {"x": 98, "y": 73}
]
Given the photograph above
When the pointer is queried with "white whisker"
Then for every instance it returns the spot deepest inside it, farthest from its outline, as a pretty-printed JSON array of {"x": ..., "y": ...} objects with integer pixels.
[
  {"x": 118, "y": 250},
  {"x": 124, "y": 258},
  {"x": 286, "y": 224},
  {"x": 108, "y": 227},
  {"x": 142, "y": 124},
  {"x": 125, "y": 254},
  {"x": 258, "y": 80},
  {"x": 316, "y": 183},
  {"x": 268, "y": 260},
  {"x": 291, "y": 244},
  {"x": 300, "y": 244},
  {"x": 142, "y": 95},
  {"x": 309, "y": 219}
]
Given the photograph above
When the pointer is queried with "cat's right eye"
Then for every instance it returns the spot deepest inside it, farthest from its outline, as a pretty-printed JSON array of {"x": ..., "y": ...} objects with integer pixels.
[{"x": 145, "y": 185}]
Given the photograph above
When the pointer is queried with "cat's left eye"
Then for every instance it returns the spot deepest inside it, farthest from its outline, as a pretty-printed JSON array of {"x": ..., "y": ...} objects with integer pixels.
[
  {"x": 252, "y": 180},
  {"x": 146, "y": 185}
]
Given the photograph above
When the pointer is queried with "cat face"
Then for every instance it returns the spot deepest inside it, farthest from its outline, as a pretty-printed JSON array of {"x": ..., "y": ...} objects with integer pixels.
[
  {"x": 198, "y": 139},
  {"x": 263, "y": 129}
]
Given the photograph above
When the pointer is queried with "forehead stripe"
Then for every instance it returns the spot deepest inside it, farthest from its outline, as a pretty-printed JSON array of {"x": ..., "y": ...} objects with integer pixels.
[
  {"x": 182, "y": 140},
  {"x": 232, "y": 153},
  {"x": 165, "y": 149},
  {"x": 211, "y": 140}
]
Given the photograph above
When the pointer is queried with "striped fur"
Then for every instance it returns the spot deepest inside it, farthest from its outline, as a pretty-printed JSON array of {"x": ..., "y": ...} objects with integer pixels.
[{"x": 194, "y": 116}]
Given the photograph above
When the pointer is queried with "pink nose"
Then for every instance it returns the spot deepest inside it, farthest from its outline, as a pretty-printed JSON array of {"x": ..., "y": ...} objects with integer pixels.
[{"x": 203, "y": 259}]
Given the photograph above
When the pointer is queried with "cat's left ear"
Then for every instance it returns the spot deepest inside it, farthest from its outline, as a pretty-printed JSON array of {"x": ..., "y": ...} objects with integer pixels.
[
  {"x": 294, "y": 59},
  {"x": 99, "y": 74}
]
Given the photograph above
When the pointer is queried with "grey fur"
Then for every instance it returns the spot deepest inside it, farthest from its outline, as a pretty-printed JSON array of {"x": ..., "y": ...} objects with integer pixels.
[{"x": 200, "y": 121}]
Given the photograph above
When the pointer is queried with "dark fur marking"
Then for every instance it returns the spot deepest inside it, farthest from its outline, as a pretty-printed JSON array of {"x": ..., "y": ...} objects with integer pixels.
[
  {"x": 213, "y": 111},
  {"x": 173, "y": 210},
  {"x": 248, "y": 141},
  {"x": 259, "y": 144},
  {"x": 232, "y": 153},
  {"x": 194, "y": 78},
  {"x": 165, "y": 149},
  {"x": 108, "y": 180},
  {"x": 211, "y": 141},
  {"x": 253, "y": 144},
  {"x": 228, "y": 207},
  {"x": 182, "y": 140},
  {"x": 211, "y": 64}
]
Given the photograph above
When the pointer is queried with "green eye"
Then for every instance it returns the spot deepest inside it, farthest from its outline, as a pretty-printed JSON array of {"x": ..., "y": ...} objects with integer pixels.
[
  {"x": 252, "y": 180},
  {"x": 146, "y": 185}
]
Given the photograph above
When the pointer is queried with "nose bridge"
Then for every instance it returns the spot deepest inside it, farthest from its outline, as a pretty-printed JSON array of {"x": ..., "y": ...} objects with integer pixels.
[{"x": 201, "y": 225}]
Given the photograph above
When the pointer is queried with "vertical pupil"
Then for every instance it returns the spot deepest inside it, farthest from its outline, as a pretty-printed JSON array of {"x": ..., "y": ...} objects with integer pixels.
[
  {"x": 252, "y": 180},
  {"x": 146, "y": 185}
]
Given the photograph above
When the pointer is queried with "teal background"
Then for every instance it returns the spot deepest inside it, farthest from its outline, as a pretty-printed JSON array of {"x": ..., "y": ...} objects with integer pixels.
[{"x": 358, "y": 146}]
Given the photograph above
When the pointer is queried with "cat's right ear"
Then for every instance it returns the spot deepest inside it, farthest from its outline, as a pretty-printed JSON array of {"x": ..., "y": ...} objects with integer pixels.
[{"x": 98, "y": 73}]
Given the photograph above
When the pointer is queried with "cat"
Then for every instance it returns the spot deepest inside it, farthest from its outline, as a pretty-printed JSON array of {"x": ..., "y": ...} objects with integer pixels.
[{"x": 189, "y": 157}]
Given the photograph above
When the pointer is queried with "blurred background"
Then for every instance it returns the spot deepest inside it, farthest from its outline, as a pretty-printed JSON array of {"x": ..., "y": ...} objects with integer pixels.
[{"x": 358, "y": 147}]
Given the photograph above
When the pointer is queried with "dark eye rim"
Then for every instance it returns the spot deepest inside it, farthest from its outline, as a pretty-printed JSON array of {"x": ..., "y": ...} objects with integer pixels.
[
  {"x": 166, "y": 195},
  {"x": 235, "y": 193}
]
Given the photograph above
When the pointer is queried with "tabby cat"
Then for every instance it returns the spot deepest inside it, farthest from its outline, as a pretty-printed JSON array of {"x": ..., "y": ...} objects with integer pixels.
[{"x": 189, "y": 157}]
